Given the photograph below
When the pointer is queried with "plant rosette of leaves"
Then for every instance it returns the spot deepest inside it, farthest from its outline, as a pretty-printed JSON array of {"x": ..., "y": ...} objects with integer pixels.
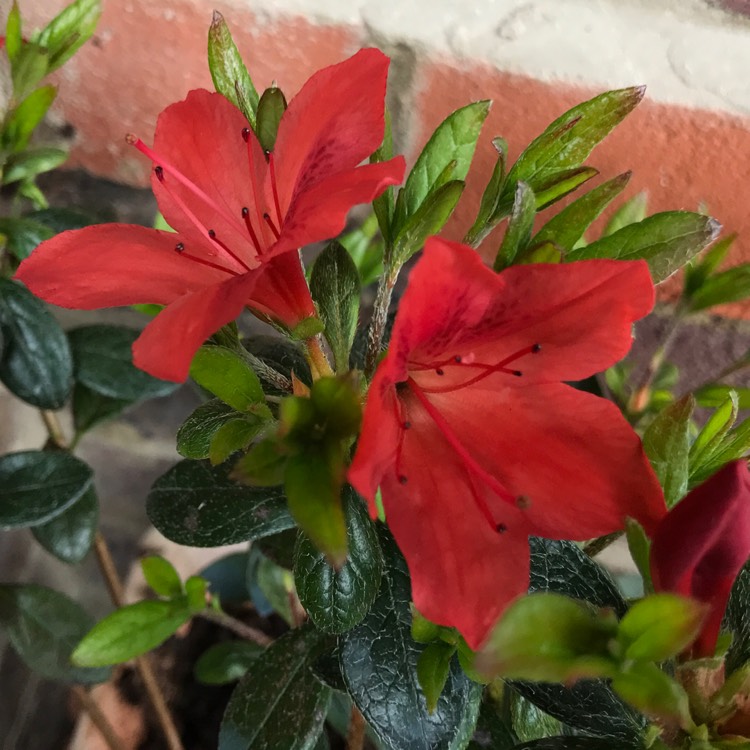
[{"x": 419, "y": 489}]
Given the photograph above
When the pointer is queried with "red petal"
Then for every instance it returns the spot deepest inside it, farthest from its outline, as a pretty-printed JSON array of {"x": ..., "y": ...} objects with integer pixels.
[
  {"x": 201, "y": 137},
  {"x": 320, "y": 212},
  {"x": 282, "y": 292},
  {"x": 580, "y": 313},
  {"x": 166, "y": 347},
  {"x": 111, "y": 265},
  {"x": 336, "y": 121}
]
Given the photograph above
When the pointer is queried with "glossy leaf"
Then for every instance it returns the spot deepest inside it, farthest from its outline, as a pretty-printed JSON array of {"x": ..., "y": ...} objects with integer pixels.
[
  {"x": 44, "y": 627},
  {"x": 666, "y": 241},
  {"x": 35, "y": 363},
  {"x": 737, "y": 621},
  {"x": 520, "y": 224},
  {"x": 91, "y": 408},
  {"x": 379, "y": 663},
  {"x": 226, "y": 662},
  {"x": 69, "y": 536},
  {"x": 197, "y": 431},
  {"x": 161, "y": 576},
  {"x": 337, "y": 600},
  {"x": 198, "y": 506},
  {"x": 293, "y": 718},
  {"x": 37, "y": 486},
  {"x": 103, "y": 362},
  {"x": 433, "y": 669}
]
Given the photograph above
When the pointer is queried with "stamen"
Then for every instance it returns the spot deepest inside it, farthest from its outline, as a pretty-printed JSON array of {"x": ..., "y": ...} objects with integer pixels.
[
  {"x": 269, "y": 156},
  {"x": 501, "y": 528},
  {"x": 439, "y": 371},
  {"x": 403, "y": 479},
  {"x": 249, "y": 225},
  {"x": 212, "y": 236},
  {"x": 254, "y": 185},
  {"x": 271, "y": 225},
  {"x": 179, "y": 247},
  {"x": 180, "y": 250}
]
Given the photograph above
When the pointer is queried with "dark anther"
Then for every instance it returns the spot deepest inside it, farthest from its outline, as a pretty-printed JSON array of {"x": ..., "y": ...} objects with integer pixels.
[
  {"x": 439, "y": 371},
  {"x": 245, "y": 212},
  {"x": 523, "y": 502},
  {"x": 407, "y": 425},
  {"x": 536, "y": 348},
  {"x": 267, "y": 153},
  {"x": 211, "y": 233},
  {"x": 403, "y": 479},
  {"x": 159, "y": 172},
  {"x": 401, "y": 387},
  {"x": 457, "y": 359},
  {"x": 501, "y": 528},
  {"x": 179, "y": 247},
  {"x": 266, "y": 216},
  {"x": 517, "y": 373},
  {"x": 245, "y": 134}
]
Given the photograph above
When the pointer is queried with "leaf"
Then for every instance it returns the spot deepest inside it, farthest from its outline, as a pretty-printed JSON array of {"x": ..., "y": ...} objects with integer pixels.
[
  {"x": 29, "y": 66},
  {"x": 293, "y": 718},
  {"x": 197, "y": 431},
  {"x": 735, "y": 445},
  {"x": 276, "y": 586},
  {"x": 454, "y": 140},
  {"x": 702, "y": 267},
  {"x": 103, "y": 362},
  {"x": 433, "y": 668},
  {"x": 35, "y": 363},
  {"x": 731, "y": 285},
  {"x": 69, "y": 30},
  {"x": 639, "y": 546},
  {"x": 131, "y": 631},
  {"x": 227, "y": 375},
  {"x": 492, "y": 732},
  {"x": 37, "y": 486},
  {"x": 271, "y": 107},
  {"x": 91, "y": 408},
  {"x": 666, "y": 241},
  {"x": 520, "y": 224},
  {"x": 667, "y": 446},
  {"x": 61, "y": 219},
  {"x": 568, "y": 226},
  {"x": 378, "y": 660},
  {"x": 25, "y": 118},
  {"x": 199, "y": 506},
  {"x": 714, "y": 431},
  {"x": 69, "y": 536},
  {"x": 23, "y": 235},
  {"x": 337, "y": 600},
  {"x": 632, "y": 211},
  {"x": 490, "y": 196},
  {"x": 384, "y": 205},
  {"x": 571, "y": 743},
  {"x": 226, "y": 662},
  {"x": 13, "y": 38},
  {"x": 281, "y": 354},
  {"x": 228, "y": 71},
  {"x": 161, "y": 576},
  {"x": 44, "y": 627},
  {"x": 31, "y": 162},
  {"x": 335, "y": 287},
  {"x": 232, "y": 436},
  {"x": 558, "y": 185},
  {"x": 366, "y": 250},
  {"x": 737, "y": 621}
]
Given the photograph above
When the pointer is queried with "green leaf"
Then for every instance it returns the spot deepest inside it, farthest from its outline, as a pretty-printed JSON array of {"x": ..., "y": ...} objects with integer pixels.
[
  {"x": 715, "y": 394},
  {"x": 61, "y": 219},
  {"x": 281, "y": 354},
  {"x": 660, "y": 626},
  {"x": 293, "y": 718},
  {"x": 572, "y": 743},
  {"x": 568, "y": 226},
  {"x": 702, "y": 267},
  {"x": 228, "y": 71},
  {"x": 70, "y": 535},
  {"x": 379, "y": 659},
  {"x": 666, "y": 241},
  {"x": 196, "y": 589},
  {"x": 520, "y": 224},
  {"x": 737, "y": 621},
  {"x": 37, "y": 486},
  {"x": 276, "y": 584},
  {"x": 195, "y": 505},
  {"x": 225, "y": 373},
  {"x": 492, "y": 731},
  {"x": 731, "y": 285},
  {"x": 335, "y": 287},
  {"x": 233, "y": 436},
  {"x": 337, "y": 600},
  {"x": 69, "y": 30},
  {"x": 568, "y": 141},
  {"x": 557, "y": 186},
  {"x": 667, "y": 445},
  {"x": 13, "y": 38},
  {"x": 271, "y": 108},
  {"x": 433, "y": 668},
  {"x": 714, "y": 431},
  {"x": 103, "y": 362},
  {"x": 91, "y": 408},
  {"x": 44, "y": 627},
  {"x": 313, "y": 488},
  {"x": 279, "y": 548},
  {"x": 427, "y": 220},
  {"x": 131, "y": 631},
  {"x": 35, "y": 363},
  {"x": 23, "y": 235},
  {"x": 197, "y": 431},
  {"x": 161, "y": 576},
  {"x": 226, "y": 662},
  {"x": 632, "y": 211},
  {"x": 490, "y": 197},
  {"x": 25, "y": 118},
  {"x": 639, "y": 546},
  {"x": 29, "y": 66},
  {"x": 454, "y": 140},
  {"x": 262, "y": 466},
  {"x": 384, "y": 205},
  {"x": 29, "y": 163},
  {"x": 529, "y": 721},
  {"x": 735, "y": 445}
]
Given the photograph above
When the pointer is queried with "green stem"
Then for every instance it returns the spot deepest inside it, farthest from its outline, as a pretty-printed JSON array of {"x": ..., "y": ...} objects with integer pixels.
[{"x": 379, "y": 319}]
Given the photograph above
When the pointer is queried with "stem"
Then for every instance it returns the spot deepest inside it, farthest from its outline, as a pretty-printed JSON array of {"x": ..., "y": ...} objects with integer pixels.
[
  {"x": 595, "y": 546},
  {"x": 355, "y": 736},
  {"x": 266, "y": 372},
  {"x": 379, "y": 319},
  {"x": 319, "y": 364},
  {"x": 238, "y": 627},
  {"x": 98, "y": 719},
  {"x": 54, "y": 429}
]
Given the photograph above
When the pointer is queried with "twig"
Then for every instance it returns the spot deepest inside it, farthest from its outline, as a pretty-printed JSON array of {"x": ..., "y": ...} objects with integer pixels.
[
  {"x": 355, "y": 736},
  {"x": 98, "y": 719},
  {"x": 377, "y": 324},
  {"x": 54, "y": 430},
  {"x": 238, "y": 627},
  {"x": 595, "y": 546}
]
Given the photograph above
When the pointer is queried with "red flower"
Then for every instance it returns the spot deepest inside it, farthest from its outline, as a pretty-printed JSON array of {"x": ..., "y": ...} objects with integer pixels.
[
  {"x": 700, "y": 546},
  {"x": 475, "y": 442},
  {"x": 235, "y": 210}
]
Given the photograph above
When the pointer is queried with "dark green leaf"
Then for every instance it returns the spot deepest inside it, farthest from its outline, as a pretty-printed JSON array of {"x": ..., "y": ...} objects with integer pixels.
[
  {"x": 161, "y": 576},
  {"x": 67, "y": 31},
  {"x": 335, "y": 287},
  {"x": 226, "y": 662},
  {"x": 379, "y": 662},
  {"x": 70, "y": 535},
  {"x": 667, "y": 445},
  {"x": 492, "y": 732},
  {"x": 24, "y": 119},
  {"x": 520, "y": 224},
  {"x": 233, "y": 436},
  {"x": 197, "y": 431},
  {"x": 293, "y": 718},
  {"x": 737, "y": 621},
  {"x": 91, "y": 408},
  {"x": 36, "y": 364},
  {"x": 37, "y": 486},
  {"x": 131, "y": 631},
  {"x": 61, "y": 219},
  {"x": 198, "y": 506},
  {"x": 228, "y": 71},
  {"x": 29, "y": 163},
  {"x": 702, "y": 267},
  {"x": 454, "y": 140},
  {"x": 573, "y": 743},
  {"x": 568, "y": 226},
  {"x": 23, "y": 235},
  {"x": 529, "y": 721},
  {"x": 103, "y": 362},
  {"x": 666, "y": 241},
  {"x": 337, "y": 600},
  {"x": 44, "y": 627},
  {"x": 271, "y": 107},
  {"x": 731, "y": 285},
  {"x": 279, "y": 548}
]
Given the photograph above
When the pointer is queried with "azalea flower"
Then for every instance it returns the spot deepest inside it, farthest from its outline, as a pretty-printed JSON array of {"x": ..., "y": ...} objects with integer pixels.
[
  {"x": 701, "y": 545},
  {"x": 475, "y": 442},
  {"x": 240, "y": 214}
]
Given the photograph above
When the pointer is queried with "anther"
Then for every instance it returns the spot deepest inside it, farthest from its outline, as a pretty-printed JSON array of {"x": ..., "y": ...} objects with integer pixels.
[
  {"x": 439, "y": 371},
  {"x": 212, "y": 234},
  {"x": 523, "y": 502},
  {"x": 406, "y": 425},
  {"x": 403, "y": 479},
  {"x": 245, "y": 134},
  {"x": 517, "y": 373},
  {"x": 159, "y": 172},
  {"x": 179, "y": 247},
  {"x": 458, "y": 359},
  {"x": 501, "y": 528},
  {"x": 245, "y": 212},
  {"x": 536, "y": 348},
  {"x": 271, "y": 225}
]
